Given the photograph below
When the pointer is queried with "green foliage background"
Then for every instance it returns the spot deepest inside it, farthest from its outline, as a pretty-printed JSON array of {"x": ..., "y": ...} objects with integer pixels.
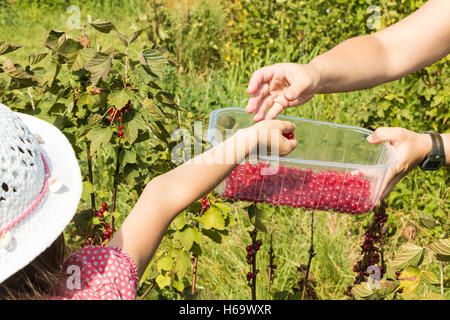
[{"x": 216, "y": 46}]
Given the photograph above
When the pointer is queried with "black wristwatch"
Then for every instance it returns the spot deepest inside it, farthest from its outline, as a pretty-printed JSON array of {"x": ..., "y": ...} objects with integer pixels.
[{"x": 436, "y": 158}]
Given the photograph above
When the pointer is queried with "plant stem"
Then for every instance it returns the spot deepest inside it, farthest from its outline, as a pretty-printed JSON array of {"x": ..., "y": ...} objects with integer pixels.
[
  {"x": 194, "y": 273},
  {"x": 147, "y": 291},
  {"x": 115, "y": 183},
  {"x": 311, "y": 255},
  {"x": 91, "y": 177},
  {"x": 31, "y": 98},
  {"x": 442, "y": 277},
  {"x": 195, "y": 260}
]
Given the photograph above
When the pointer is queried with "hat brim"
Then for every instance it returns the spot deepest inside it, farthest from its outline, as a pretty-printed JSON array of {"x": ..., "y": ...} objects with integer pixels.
[{"x": 43, "y": 226}]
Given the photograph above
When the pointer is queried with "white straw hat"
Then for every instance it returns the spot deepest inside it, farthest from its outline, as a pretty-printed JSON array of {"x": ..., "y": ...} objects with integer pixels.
[{"x": 40, "y": 187}]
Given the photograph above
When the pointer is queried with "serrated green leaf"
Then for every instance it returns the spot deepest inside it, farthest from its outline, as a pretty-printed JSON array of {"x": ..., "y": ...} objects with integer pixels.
[
  {"x": 188, "y": 236},
  {"x": 430, "y": 277},
  {"x": 408, "y": 255},
  {"x": 212, "y": 218},
  {"x": 134, "y": 36},
  {"x": 128, "y": 156},
  {"x": 154, "y": 110},
  {"x": 441, "y": 247},
  {"x": 163, "y": 281},
  {"x": 427, "y": 220},
  {"x": 99, "y": 136},
  {"x": 99, "y": 66},
  {"x": 7, "y": 48},
  {"x": 103, "y": 25},
  {"x": 153, "y": 60},
  {"x": 35, "y": 58},
  {"x": 165, "y": 263},
  {"x": 386, "y": 288},
  {"x": 119, "y": 98},
  {"x": 52, "y": 40},
  {"x": 363, "y": 291}
]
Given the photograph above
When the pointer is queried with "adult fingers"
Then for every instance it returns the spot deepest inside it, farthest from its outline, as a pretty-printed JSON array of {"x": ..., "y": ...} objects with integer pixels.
[
  {"x": 259, "y": 77},
  {"x": 256, "y": 99}
]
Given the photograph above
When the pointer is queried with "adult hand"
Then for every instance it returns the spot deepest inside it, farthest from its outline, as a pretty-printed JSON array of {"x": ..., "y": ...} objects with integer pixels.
[
  {"x": 410, "y": 149},
  {"x": 280, "y": 86}
]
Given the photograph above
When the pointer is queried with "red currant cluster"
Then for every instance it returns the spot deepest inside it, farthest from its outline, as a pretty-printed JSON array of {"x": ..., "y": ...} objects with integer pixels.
[
  {"x": 371, "y": 249},
  {"x": 294, "y": 187},
  {"x": 252, "y": 250},
  {"x": 205, "y": 204},
  {"x": 113, "y": 113},
  {"x": 108, "y": 229}
]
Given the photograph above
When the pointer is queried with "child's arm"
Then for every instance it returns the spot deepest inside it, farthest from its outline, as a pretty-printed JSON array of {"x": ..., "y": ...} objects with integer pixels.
[
  {"x": 358, "y": 63},
  {"x": 169, "y": 194}
]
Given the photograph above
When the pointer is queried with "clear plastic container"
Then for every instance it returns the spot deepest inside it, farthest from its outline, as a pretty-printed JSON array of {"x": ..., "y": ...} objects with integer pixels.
[{"x": 332, "y": 168}]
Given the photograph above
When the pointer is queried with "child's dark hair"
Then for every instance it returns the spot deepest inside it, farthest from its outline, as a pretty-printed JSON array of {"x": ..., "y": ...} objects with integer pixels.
[{"x": 40, "y": 279}]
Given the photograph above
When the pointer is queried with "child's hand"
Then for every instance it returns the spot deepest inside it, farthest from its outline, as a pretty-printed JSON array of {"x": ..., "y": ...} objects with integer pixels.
[
  {"x": 410, "y": 149},
  {"x": 270, "y": 135},
  {"x": 280, "y": 86}
]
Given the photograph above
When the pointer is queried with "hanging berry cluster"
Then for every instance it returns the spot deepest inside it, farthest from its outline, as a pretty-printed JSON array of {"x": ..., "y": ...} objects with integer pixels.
[
  {"x": 205, "y": 204},
  {"x": 106, "y": 230},
  {"x": 116, "y": 114},
  {"x": 371, "y": 249},
  {"x": 252, "y": 250},
  {"x": 272, "y": 265}
]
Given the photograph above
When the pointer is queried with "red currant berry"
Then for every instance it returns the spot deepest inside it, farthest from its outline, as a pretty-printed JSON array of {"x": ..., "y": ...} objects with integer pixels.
[{"x": 120, "y": 133}]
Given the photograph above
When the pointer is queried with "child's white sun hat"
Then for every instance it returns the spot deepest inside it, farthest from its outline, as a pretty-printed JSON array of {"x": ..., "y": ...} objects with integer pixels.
[{"x": 40, "y": 187}]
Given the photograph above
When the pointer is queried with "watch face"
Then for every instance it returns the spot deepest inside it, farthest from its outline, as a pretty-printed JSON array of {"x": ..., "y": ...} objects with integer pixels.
[{"x": 431, "y": 164}]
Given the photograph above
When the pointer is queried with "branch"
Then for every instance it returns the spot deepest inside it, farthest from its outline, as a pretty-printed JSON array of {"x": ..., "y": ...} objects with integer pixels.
[{"x": 311, "y": 255}]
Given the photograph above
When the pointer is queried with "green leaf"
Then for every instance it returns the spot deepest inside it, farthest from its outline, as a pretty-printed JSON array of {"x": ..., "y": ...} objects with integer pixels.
[
  {"x": 182, "y": 264},
  {"x": 178, "y": 284},
  {"x": 128, "y": 156},
  {"x": 363, "y": 291},
  {"x": 188, "y": 236},
  {"x": 99, "y": 136},
  {"x": 52, "y": 40},
  {"x": 154, "y": 60},
  {"x": 88, "y": 189},
  {"x": 386, "y": 288},
  {"x": 430, "y": 277},
  {"x": 119, "y": 98},
  {"x": 167, "y": 99},
  {"x": 165, "y": 263},
  {"x": 20, "y": 77},
  {"x": 134, "y": 36},
  {"x": 212, "y": 218},
  {"x": 408, "y": 255},
  {"x": 441, "y": 247},
  {"x": 427, "y": 220},
  {"x": 122, "y": 38},
  {"x": 103, "y": 25},
  {"x": 7, "y": 48},
  {"x": 180, "y": 221},
  {"x": 154, "y": 110},
  {"x": 35, "y": 58},
  {"x": 163, "y": 281},
  {"x": 92, "y": 101},
  {"x": 99, "y": 67}
]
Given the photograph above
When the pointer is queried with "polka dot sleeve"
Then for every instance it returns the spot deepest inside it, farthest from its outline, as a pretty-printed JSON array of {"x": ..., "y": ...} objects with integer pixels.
[{"x": 99, "y": 273}]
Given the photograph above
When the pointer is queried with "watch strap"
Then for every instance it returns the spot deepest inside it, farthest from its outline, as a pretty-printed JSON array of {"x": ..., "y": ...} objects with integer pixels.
[{"x": 437, "y": 148}]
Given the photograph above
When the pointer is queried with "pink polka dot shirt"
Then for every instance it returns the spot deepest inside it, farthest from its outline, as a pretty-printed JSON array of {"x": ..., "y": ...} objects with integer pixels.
[{"x": 99, "y": 273}]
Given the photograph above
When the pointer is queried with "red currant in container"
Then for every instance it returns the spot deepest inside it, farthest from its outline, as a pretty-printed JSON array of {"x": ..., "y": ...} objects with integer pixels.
[{"x": 333, "y": 168}]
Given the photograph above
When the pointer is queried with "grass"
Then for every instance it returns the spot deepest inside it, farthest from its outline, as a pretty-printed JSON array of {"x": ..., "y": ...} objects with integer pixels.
[{"x": 222, "y": 267}]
